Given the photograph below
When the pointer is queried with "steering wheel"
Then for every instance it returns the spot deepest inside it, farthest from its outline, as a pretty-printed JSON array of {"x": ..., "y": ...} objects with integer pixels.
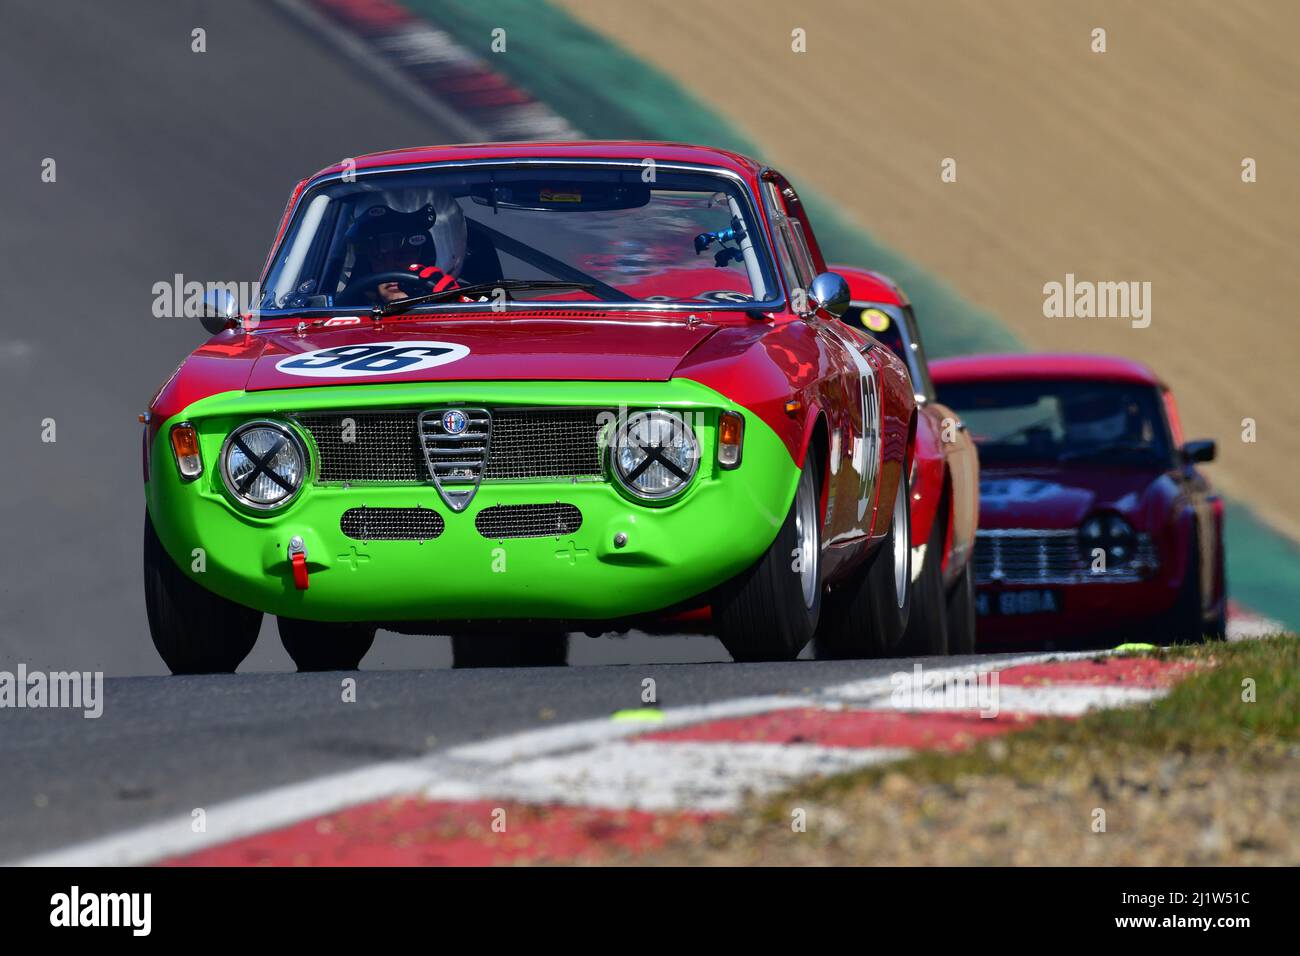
[{"x": 409, "y": 283}]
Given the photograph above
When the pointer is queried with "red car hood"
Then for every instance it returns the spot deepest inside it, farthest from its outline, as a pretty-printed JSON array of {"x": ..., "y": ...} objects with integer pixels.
[
  {"x": 1061, "y": 497},
  {"x": 537, "y": 346}
]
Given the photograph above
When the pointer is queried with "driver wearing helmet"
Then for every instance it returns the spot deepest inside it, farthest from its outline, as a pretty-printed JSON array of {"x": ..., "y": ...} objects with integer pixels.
[{"x": 384, "y": 240}]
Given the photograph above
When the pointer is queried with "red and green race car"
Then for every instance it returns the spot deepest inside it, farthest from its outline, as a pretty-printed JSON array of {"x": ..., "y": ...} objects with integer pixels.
[{"x": 504, "y": 392}]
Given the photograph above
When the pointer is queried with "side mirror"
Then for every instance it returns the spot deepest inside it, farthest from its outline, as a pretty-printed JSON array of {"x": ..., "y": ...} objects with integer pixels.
[
  {"x": 1203, "y": 450},
  {"x": 219, "y": 310},
  {"x": 829, "y": 291}
]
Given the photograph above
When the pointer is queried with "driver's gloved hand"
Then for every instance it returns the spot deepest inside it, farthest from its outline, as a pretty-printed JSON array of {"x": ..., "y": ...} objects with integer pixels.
[{"x": 435, "y": 275}]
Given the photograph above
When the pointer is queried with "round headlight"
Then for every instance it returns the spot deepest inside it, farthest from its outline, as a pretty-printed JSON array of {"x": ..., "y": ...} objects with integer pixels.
[
  {"x": 654, "y": 454},
  {"x": 263, "y": 464},
  {"x": 1112, "y": 534}
]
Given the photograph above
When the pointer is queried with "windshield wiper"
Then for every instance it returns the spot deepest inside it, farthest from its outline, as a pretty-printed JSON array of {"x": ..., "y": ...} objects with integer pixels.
[{"x": 508, "y": 285}]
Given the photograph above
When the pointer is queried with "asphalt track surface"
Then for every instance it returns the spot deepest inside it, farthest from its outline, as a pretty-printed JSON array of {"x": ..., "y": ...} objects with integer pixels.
[{"x": 170, "y": 161}]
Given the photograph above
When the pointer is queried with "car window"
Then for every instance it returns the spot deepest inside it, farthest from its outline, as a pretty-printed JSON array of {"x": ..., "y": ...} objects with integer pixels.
[{"x": 1057, "y": 421}]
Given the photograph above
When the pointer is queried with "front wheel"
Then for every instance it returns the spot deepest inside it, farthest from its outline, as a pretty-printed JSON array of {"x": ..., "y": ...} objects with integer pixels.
[
  {"x": 1187, "y": 618},
  {"x": 770, "y": 612},
  {"x": 868, "y": 616},
  {"x": 194, "y": 630},
  {"x": 315, "y": 646},
  {"x": 961, "y": 613},
  {"x": 927, "y": 626}
]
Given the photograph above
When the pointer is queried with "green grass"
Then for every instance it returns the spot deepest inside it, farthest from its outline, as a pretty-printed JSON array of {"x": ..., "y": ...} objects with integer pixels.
[{"x": 1204, "y": 713}]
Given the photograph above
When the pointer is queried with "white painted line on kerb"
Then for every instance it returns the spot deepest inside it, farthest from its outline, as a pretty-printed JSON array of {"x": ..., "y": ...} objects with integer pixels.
[
  {"x": 1054, "y": 700},
  {"x": 660, "y": 776}
]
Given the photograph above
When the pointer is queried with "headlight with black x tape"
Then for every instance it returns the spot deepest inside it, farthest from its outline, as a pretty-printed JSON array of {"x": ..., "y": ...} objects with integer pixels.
[
  {"x": 263, "y": 464},
  {"x": 654, "y": 454}
]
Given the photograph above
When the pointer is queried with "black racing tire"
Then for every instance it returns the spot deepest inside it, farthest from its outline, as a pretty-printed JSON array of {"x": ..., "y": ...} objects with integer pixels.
[
  {"x": 867, "y": 616},
  {"x": 927, "y": 625},
  {"x": 961, "y": 613},
  {"x": 317, "y": 646},
  {"x": 1219, "y": 630},
  {"x": 770, "y": 612},
  {"x": 545, "y": 649},
  {"x": 194, "y": 630},
  {"x": 1187, "y": 617}
]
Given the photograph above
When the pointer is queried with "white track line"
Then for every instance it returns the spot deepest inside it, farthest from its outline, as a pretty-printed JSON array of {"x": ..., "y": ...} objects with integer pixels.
[
  {"x": 462, "y": 771},
  {"x": 660, "y": 775},
  {"x": 1054, "y": 700}
]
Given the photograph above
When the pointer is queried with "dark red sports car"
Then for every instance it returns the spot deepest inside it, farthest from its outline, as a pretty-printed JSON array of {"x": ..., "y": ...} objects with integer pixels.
[{"x": 1094, "y": 520}]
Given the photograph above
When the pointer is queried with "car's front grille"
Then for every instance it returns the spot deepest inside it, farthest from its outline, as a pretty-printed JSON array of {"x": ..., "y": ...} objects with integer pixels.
[
  {"x": 384, "y": 446},
  {"x": 528, "y": 521},
  {"x": 391, "y": 524},
  {"x": 1030, "y": 556}
]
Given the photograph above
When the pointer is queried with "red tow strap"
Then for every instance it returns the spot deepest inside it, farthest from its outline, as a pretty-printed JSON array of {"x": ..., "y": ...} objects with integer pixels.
[{"x": 298, "y": 560}]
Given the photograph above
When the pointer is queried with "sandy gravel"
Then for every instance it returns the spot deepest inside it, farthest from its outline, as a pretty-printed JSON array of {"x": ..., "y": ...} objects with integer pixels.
[
  {"x": 1122, "y": 166},
  {"x": 1168, "y": 810}
]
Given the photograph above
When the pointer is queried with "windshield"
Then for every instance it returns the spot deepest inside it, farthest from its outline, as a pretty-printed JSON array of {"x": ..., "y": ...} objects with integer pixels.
[
  {"x": 1062, "y": 421},
  {"x": 590, "y": 234}
]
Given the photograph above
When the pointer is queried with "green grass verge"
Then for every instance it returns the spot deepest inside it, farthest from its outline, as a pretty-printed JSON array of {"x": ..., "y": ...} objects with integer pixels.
[{"x": 1204, "y": 713}]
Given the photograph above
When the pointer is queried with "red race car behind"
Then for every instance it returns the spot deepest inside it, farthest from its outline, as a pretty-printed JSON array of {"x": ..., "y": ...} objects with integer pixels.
[
  {"x": 944, "y": 482},
  {"x": 1095, "y": 522}
]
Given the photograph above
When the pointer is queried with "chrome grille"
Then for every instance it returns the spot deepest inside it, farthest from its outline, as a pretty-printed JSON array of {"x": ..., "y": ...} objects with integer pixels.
[
  {"x": 1030, "y": 556},
  {"x": 526, "y": 444},
  {"x": 391, "y": 524},
  {"x": 456, "y": 459},
  {"x": 528, "y": 521}
]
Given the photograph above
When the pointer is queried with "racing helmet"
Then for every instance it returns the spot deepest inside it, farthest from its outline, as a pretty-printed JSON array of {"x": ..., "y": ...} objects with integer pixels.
[
  {"x": 398, "y": 231},
  {"x": 383, "y": 238}
]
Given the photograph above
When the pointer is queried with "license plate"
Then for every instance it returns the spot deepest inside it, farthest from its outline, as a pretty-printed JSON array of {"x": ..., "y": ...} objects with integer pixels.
[{"x": 1017, "y": 603}]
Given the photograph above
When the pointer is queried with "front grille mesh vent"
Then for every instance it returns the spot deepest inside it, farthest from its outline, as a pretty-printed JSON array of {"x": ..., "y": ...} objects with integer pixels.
[
  {"x": 528, "y": 521},
  {"x": 391, "y": 524}
]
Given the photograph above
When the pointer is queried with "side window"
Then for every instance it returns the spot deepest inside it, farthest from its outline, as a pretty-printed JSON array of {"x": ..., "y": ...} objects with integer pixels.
[
  {"x": 923, "y": 384},
  {"x": 780, "y": 236},
  {"x": 1171, "y": 413},
  {"x": 802, "y": 257},
  {"x": 791, "y": 252}
]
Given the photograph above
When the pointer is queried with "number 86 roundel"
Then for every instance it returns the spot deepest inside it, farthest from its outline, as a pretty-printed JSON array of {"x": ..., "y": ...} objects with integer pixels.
[{"x": 355, "y": 361}]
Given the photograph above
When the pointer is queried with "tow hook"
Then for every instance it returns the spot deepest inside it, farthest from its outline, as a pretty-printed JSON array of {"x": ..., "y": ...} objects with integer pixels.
[{"x": 298, "y": 558}]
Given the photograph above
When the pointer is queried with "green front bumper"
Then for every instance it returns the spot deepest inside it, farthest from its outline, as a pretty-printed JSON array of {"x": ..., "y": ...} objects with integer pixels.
[{"x": 719, "y": 526}]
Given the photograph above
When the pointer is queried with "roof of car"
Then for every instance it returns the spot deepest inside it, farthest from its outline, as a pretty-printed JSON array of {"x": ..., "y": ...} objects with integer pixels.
[
  {"x": 868, "y": 286},
  {"x": 587, "y": 149},
  {"x": 1030, "y": 366}
]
